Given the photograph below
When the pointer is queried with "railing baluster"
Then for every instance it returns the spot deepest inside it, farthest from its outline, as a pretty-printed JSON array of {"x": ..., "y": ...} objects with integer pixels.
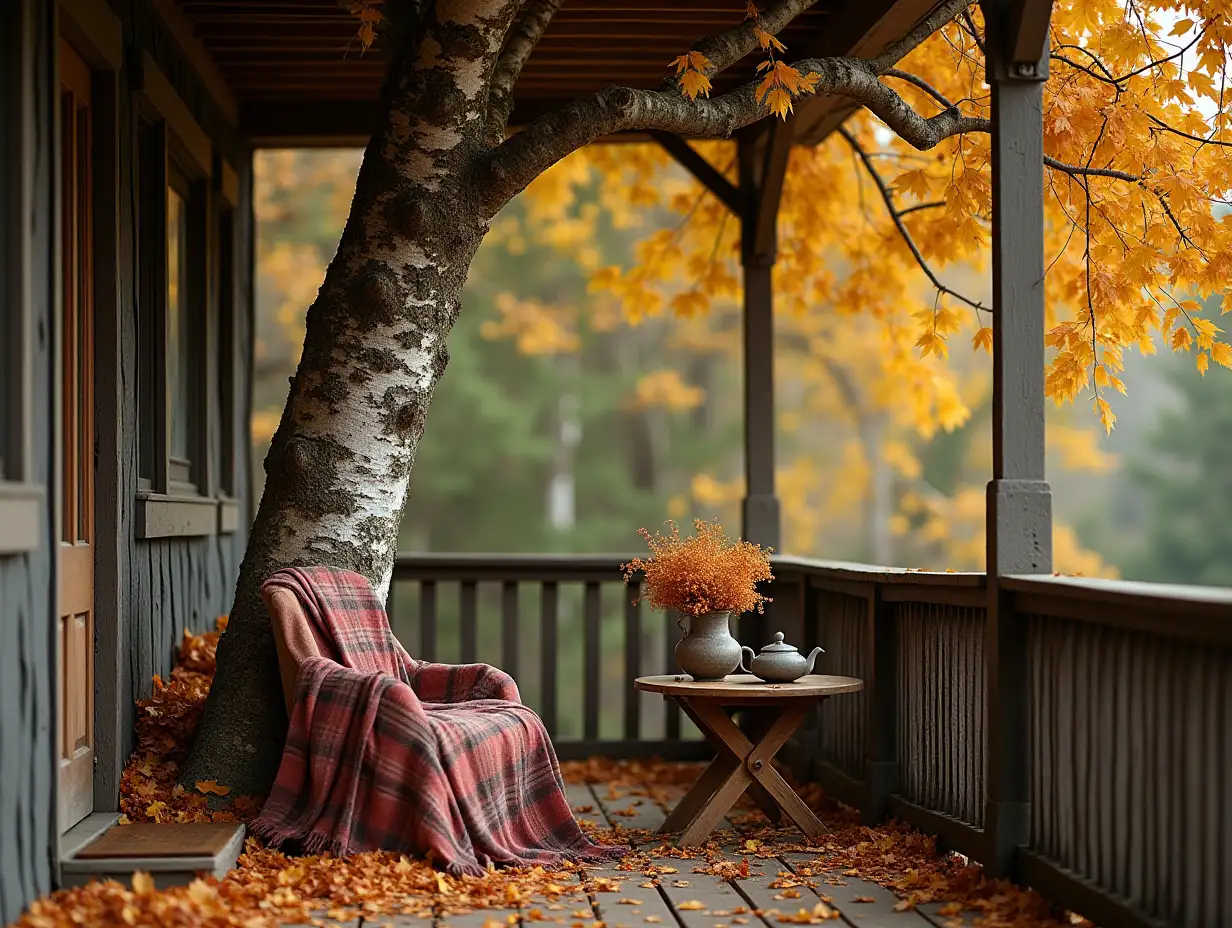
[
  {"x": 592, "y": 668},
  {"x": 470, "y": 621},
  {"x": 509, "y": 628},
  {"x": 673, "y": 711},
  {"x": 633, "y": 663},
  {"x": 427, "y": 620},
  {"x": 548, "y": 609}
]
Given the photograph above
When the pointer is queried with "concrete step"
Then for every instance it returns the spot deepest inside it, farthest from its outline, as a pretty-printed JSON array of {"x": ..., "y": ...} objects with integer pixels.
[{"x": 172, "y": 854}]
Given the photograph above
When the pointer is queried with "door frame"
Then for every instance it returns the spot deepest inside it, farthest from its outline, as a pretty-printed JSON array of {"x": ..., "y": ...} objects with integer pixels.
[{"x": 96, "y": 34}]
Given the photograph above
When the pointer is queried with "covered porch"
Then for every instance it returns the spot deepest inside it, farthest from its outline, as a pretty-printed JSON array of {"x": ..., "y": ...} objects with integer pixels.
[{"x": 1071, "y": 735}]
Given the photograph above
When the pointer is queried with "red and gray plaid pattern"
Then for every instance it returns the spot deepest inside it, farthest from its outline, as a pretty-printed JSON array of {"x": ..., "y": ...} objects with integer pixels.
[{"x": 388, "y": 753}]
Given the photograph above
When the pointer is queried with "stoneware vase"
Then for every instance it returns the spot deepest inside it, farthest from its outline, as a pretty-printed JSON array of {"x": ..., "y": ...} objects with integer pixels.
[{"x": 708, "y": 651}]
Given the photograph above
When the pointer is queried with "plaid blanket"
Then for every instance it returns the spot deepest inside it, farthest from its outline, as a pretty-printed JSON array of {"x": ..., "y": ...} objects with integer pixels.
[{"x": 385, "y": 752}]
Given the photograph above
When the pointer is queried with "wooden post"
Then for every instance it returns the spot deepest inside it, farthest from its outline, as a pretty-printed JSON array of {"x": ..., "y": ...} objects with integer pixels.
[
  {"x": 759, "y": 196},
  {"x": 1019, "y": 503}
]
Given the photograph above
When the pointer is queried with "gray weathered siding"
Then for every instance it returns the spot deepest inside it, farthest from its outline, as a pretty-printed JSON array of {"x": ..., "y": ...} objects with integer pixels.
[
  {"x": 147, "y": 592},
  {"x": 26, "y": 580},
  {"x": 171, "y": 584}
]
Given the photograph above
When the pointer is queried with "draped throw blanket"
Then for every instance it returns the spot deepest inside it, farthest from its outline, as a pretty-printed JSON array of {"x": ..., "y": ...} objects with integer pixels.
[{"x": 385, "y": 752}]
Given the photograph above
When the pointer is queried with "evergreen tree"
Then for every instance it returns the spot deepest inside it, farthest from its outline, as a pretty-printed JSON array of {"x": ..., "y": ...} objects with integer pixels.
[{"x": 1186, "y": 478}]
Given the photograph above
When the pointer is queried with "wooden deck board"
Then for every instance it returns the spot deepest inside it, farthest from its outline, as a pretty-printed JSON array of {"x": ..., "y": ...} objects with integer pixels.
[{"x": 685, "y": 899}]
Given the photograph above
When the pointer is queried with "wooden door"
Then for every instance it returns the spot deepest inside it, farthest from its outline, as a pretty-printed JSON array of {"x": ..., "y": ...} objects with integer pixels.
[{"x": 76, "y": 503}]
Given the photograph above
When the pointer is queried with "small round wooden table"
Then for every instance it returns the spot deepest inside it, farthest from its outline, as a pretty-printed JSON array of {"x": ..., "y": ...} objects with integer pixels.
[{"x": 740, "y": 764}]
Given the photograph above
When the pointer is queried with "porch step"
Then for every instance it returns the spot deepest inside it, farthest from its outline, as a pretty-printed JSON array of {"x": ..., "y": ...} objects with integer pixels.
[{"x": 173, "y": 854}]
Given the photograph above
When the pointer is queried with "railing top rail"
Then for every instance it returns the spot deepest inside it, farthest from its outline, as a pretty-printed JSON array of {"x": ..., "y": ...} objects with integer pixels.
[
  {"x": 1174, "y": 611},
  {"x": 868, "y": 573},
  {"x": 591, "y": 567}
]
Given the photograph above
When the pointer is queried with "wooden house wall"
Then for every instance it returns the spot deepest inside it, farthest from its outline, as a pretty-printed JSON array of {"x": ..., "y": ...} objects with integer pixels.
[
  {"x": 27, "y": 627},
  {"x": 168, "y": 585},
  {"x": 148, "y": 591}
]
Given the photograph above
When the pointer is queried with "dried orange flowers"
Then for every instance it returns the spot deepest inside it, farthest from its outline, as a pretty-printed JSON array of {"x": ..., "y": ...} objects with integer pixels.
[{"x": 706, "y": 572}]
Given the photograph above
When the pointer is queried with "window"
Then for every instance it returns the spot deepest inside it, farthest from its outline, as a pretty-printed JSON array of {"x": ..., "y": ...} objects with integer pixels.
[
  {"x": 13, "y": 362},
  {"x": 171, "y": 408},
  {"x": 176, "y": 273},
  {"x": 21, "y": 503}
]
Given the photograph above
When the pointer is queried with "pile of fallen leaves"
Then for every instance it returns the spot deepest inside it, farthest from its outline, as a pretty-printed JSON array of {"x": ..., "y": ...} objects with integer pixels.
[
  {"x": 268, "y": 888},
  {"x": 167, "y": 722}
]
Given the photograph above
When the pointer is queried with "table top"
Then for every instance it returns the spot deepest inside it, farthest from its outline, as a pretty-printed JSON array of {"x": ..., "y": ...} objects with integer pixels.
[{"x": 748, "y": 687}]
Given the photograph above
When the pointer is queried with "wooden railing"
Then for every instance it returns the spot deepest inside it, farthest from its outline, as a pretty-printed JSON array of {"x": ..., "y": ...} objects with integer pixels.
[{"x": 1127, "y": 693}]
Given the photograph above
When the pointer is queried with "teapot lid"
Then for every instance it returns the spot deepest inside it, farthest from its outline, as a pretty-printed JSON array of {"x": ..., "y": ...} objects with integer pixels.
[{"x": 779, "y": 644}]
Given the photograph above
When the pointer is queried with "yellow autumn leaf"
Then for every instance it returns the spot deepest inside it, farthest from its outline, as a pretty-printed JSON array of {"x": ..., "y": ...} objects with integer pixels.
[
  {"x": 1106, "y": 416},
  {"x": 1203, "y": 361},
  {"x": 982, "y": 339},
  {"x": 1222, "y": 353},
  {"x": 143, "y": 883},
  {"x": 778, "y": 102},
  {"x": 698, "y": 61},
  {"x": 1182, "y": 340},
  {"x": 695, "y": 84},
  {"x": 1182, "y": 26},
  {"x": 691, "y": 905}
]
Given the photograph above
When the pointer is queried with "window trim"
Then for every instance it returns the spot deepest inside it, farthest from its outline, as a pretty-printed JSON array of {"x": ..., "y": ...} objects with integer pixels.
[
  {"x": 225, "y": 414},
  {"x": 182, "y": 158}
]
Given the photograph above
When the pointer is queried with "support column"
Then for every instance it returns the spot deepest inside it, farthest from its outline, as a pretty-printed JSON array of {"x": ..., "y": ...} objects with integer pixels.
[
  {"x": 1019, "y": 502},
  {"x": 760, "y": 192}
]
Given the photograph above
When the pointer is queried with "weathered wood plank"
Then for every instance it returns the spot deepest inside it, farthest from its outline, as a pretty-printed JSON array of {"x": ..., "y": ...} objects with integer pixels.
[
  {"x": 584, "y": 805},
  {"x": 637, "y": 901},
  {"x": 718, "y": 899},
  {"x": 845, "y": 890},
  {"x": 626, "y": 810}
]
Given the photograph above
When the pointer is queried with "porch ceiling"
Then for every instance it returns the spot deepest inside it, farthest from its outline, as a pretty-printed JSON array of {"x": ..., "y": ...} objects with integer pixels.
[{"x": 295, "y": 67}]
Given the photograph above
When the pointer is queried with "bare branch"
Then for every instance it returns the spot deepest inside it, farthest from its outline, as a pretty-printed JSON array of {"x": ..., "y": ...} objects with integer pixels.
[
  {"x": 522, "y": 157},
  {"x": 932, "y": 204},
  {"x": 1076, "y": 170},
  {"x": 921, "y": 84},
  {"x": 897, "y": 217},
  {"x": 972, "y": 31},
  {"x": 535, "y": 20}
]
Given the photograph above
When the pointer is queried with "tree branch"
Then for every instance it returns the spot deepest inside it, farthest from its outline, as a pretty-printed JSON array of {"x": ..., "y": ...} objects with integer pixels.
[
  {"x": 921, "y": 84},
  {"x": 1076, "y": 170},
  {"x": 535, "y": 20},
  {"x": 897, "y": 217},
  {"x": 522, "y": 157},
  {"x": 944, "y": 13},
  {"x": 723, "y": 49}
]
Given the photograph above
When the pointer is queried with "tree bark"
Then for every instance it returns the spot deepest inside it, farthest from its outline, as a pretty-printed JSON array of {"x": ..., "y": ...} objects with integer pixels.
[{"x": 374, "y": 348}]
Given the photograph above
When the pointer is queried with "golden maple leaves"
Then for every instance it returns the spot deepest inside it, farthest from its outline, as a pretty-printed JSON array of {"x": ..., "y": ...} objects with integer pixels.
[{"x": 779, "y": 86}]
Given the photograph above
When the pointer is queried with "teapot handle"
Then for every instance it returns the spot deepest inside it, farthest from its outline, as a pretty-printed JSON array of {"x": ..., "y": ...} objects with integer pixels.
[
  {"x": 684, "y": 632},
  {"x": 749, "y": 652}
]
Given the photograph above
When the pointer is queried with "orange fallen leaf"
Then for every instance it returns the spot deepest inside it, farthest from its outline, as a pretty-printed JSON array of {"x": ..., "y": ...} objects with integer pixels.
[
  {"x": 691, "y": 905},
  {"x": 212, "y": 786},
  {"x": 863, "y": 899}
]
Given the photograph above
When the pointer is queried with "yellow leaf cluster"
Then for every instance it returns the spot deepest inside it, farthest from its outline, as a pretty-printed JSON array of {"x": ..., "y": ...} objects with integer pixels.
[
  {"x": 536, "y": 328},
  {"x": 666, "y": 389}
]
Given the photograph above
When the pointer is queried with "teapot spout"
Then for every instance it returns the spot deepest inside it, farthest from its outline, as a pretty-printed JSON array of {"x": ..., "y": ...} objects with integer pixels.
[{"x": 812, "y": 659}]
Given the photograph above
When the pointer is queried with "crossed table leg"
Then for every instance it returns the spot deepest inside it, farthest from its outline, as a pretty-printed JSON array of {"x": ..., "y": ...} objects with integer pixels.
[{"x": 739, "y": 765}]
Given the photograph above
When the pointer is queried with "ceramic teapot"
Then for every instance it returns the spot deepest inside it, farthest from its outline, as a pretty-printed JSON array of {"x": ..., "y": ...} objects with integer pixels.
[{"x": 778, "y": 662}]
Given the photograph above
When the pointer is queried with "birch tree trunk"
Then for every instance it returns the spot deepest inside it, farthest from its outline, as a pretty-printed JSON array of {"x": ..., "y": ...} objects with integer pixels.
[
  {"x": 437, "y": 168},
  {"x": 375, "y": 346}
]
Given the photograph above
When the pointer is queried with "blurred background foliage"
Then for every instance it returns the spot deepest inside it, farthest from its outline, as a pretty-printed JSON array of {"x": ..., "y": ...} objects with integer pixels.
[{"x": 570, "y": 416}]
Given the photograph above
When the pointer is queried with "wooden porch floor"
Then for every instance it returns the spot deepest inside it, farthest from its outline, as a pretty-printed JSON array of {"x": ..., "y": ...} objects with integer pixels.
[{"x": 750, "y": 875}]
